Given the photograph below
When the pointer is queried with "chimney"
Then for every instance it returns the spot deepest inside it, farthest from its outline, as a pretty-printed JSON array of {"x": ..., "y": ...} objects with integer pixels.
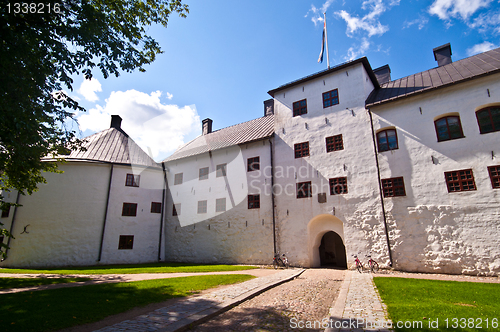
[
  {"x": 207, "y": 126},
  {"x": 442, "y": 54},
  {"x": 116, "y": 122},
  {"x": 383, "y": 74},
  {"x": 268, "y": 107}
]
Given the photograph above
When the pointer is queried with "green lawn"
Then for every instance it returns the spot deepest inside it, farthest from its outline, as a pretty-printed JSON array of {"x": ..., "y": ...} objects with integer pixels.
[
  {"x": 56, "y": 309},
  {"x": 433, "y": 305},
  {"x": 6, "y": 283},
  {"x": 131, "y": 269}
]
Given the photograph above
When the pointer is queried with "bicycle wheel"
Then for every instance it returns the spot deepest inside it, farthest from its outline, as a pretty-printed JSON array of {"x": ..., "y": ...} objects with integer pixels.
[
  {"x": 275, "y": 264},
  {"x": 359, "y": 267},
  {"x": 374, "y": 267}
]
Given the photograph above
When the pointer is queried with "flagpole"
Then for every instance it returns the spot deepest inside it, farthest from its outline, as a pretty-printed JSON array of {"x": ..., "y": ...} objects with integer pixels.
[{"x": 326, "y": 43}]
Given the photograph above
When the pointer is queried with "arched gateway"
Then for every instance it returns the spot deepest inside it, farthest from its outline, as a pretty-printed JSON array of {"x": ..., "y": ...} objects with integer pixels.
[{"x": 326, "y": 241}]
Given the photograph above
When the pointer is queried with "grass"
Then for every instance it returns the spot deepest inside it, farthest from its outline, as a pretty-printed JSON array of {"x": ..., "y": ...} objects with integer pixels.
[
  {"x": 133, "y": 269},
  {"x": 56, "y": 309},
  {"x": 6, "y": 283},
  {"x": 440, "y": 305}
]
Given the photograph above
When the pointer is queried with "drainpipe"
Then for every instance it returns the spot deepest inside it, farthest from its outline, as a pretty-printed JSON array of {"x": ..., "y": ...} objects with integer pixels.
[
  {"x": 272, "y": 194},
  {"x": 105, "y": 213},
  {"x": 12, "y": 225},
  {"x": 163, "y": 199},
  {"x": 380, "y": 190}
]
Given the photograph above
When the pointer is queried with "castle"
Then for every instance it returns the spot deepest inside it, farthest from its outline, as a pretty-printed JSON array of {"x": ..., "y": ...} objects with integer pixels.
[{"x": 343, "y": 161}]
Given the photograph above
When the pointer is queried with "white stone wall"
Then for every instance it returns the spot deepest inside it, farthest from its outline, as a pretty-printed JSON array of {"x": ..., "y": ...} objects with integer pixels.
[
  {"x": 433, "y": 230},
  {"x": 238, "y": 235},
  {"x": 359, "y": 210}
]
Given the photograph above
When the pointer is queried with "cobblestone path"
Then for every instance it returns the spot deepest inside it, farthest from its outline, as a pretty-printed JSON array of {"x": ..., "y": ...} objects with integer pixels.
[{"x": 307, "y": 298}]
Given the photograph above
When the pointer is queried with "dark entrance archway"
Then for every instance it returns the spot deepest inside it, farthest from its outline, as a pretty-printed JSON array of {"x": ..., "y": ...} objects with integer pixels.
[{"x": 332, "y": 251}]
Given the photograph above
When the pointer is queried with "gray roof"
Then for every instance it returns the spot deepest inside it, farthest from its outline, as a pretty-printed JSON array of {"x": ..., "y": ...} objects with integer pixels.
[
  {"x": 242, "y": 133},
  {"x": 113, "y": 146},
  {"x": 456, "y": 72}
]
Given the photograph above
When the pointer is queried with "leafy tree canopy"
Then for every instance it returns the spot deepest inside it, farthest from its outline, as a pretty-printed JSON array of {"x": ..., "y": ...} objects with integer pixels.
[{"x": 41, "y": 48}]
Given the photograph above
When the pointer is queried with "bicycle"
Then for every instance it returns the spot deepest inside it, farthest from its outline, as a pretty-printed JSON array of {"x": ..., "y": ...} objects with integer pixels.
[
  {"x": 359, "y": 265},
  {"x": 372, "y": 264},
  {"x": 280, "y": 261}
]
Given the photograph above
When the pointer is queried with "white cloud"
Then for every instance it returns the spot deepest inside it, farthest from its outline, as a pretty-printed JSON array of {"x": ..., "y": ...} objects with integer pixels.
[
  {"x": 154, "y": 126},
  {"x": 420, "y": 22},
  {"x": 317, "y": 13},
  {"x": 480, "y": 48},
  {"x": 369, "y": 22},
  {"x": 88, "y": 89},
  {"x": 447, "y": 9},
  {"x": 169, "y": 96},
  {"x": 357, "y": 51},
  {"x": 487, "y": 21}
]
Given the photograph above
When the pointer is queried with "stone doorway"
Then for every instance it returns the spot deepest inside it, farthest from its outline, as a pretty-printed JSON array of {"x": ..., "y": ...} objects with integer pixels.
[{"x": 332, "y": 251}]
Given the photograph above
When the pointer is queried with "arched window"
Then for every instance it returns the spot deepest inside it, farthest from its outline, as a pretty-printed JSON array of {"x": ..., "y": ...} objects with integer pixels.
[
  {"x": 488, "y": 119},
  {"x": 387, "y": 140},
  {"x": 448, "y": 128}
]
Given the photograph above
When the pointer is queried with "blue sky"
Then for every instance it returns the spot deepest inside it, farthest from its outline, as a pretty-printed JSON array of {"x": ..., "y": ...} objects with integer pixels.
[{"x": 221, "y": 60}]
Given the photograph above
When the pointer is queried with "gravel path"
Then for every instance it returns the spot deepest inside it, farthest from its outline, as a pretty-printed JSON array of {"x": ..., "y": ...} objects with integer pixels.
[{"x": 307, "y": 298}]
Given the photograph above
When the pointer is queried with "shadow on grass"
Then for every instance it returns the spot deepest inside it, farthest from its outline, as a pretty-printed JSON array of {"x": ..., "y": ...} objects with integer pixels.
[{"x": 62, "y": 308}]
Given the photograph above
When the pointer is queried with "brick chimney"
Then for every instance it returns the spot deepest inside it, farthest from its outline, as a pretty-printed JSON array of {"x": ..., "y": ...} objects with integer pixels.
[
  {"x": 207, "y": 126},
  {"x": 116, "y": 122},
  {"x": 442, "y": 54}
]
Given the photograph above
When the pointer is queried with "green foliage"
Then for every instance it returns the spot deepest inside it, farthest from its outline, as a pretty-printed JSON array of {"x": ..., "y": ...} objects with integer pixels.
[
  {"x": 55, "y": 309},
  {"x": 39, "y": 53},
  {"x": 133, "y": 268},
  {"x": 448, "y": 302},
  {"x": 6, "y": 283}
]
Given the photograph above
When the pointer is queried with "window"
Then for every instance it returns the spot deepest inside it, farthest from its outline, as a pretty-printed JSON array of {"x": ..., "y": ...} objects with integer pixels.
[
  {"x": 460, "y": 180},
  {"x": 178, "y": 178},
  {"x": 387, "y": 140},
  {"x": 155, "y": 207},
  {"x": 494, "y": 176},
  {"x": 126, "y": 242},
  {"x": 176, "y": 209},
  {"x": 132, "y": 180},
  {"x": 253, "y": 164},
  {"x": 5, "y": 211},
  {"x": 202, "y": 206},
  {"x": 334, "y": 143},
  {"x": 129, "y": 209},
  {"x": 203, "y": 173},
  {"x": 488, "y": 119},
  {"x": 393, "y": 187},
  {"x": 338, "y": 186},
  {"x": 253, "y": 201},
  {"x": 304, "y": 189},
  {"x": 220, "y": 204},
  {"x": 220, "y": 170},
  {"x": 301, "y": 149},
  {"x": 330, "y": 98},
  {"x": 448, "y": 128},
  {"x": 300, "y": 107}
]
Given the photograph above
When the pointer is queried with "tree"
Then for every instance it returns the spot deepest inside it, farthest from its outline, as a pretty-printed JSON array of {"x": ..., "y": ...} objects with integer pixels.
[{"x": 42, "y": 46}]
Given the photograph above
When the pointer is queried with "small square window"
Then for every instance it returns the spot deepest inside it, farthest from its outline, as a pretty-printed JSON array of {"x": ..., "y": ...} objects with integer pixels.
[
  {"x": 300, "y": 107},
  {"x": 334, "y": 143},
  {"x": 178, "y": 178},
  {"x": 393, "y": 187},
  {"x": 387, "y": 140},
  {"x": 301, "y": 149},
  {"x": 330, "y": 98},
  {"x": 304, "y": 189},
  {"x": 126, "y": 242},
  {"x": 203, "y": 175},
  {"x": 494, "y": 176},
  {"x": 338, "y": 186},
  {"x": 253, "y": 201},
  {"x": 253, "y": 164},
  {"x": 221, "y": 170},
  {"x": 462, "y": 180},
  {"x": 220, "y": 204},
  {"x": 202, "y": 206},
  {"x": 132, "y": 180},
  {"x": 129, "y": 209},
  {"x": 5, "y": 211},
  {"x": 176, "y": 209},
  {"x": 155, "y": 207}
]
